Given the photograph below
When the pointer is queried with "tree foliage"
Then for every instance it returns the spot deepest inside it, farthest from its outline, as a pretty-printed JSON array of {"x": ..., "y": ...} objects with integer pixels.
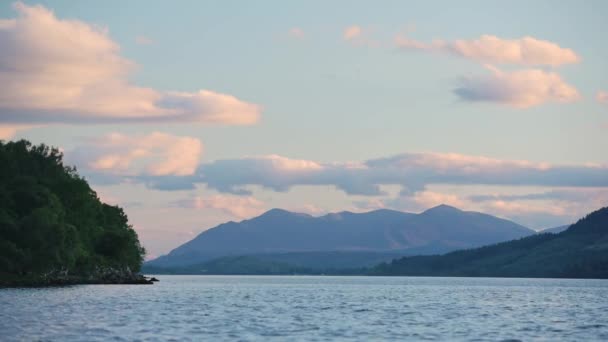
[{"x": 52, "y": 221}]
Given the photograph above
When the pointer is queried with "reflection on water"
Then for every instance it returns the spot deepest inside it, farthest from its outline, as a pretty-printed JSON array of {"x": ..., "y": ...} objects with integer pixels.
[{"x": 308, "y": 308}]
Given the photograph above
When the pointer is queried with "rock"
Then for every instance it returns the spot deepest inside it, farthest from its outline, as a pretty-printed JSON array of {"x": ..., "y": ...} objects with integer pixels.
[{"x": 101, "y": 275}]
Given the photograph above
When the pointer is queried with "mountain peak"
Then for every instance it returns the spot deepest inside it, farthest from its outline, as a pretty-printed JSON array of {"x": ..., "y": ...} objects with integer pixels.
[
  {"x": 281, "y": 214},
  {"x": 277, "y": 212},
  {"x": 443, "y": 208}
]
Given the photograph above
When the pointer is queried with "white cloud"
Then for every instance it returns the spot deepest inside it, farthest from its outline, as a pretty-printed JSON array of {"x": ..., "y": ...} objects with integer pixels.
[
  {"x": 491, "y": 49},
  {"x": 156, "y": 154},
  {"x": 521, "y": 89},
  {"x": 66, "y": 71},
  {"x": 235, "y": 206},
  {"x": 602, "y": 96}
]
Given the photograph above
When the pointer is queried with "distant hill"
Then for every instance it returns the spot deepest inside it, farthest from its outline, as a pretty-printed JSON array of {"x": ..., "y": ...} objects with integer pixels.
[
  {"x": 336, "y": 262},
  {"x": 233, "y": 265},
  {"x": 280, "y": 235},
  {"x": 555, "y": 230},
  {"x": 581, "y": 251}
]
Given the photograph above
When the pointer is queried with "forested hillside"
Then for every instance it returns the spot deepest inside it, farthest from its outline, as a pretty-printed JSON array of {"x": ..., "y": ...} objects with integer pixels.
[
  {"x": 581, "y": 251},
  {"x": 53, "y": 227}
]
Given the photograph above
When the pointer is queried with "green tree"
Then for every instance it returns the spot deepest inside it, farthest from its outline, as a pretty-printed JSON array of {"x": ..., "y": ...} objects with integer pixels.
[{"x": 52, "y": 221}]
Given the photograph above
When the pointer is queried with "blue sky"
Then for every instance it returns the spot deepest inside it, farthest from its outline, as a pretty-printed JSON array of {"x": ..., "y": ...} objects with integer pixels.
[{"x": 309, "y": 96}]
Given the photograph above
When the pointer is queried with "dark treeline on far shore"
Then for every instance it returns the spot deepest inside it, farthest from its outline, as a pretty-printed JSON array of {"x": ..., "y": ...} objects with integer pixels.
[{"x": 581, "y": 251}]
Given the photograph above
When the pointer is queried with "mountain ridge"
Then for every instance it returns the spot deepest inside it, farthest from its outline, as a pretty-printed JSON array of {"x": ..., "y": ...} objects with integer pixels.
[{"x": 436, "y": 230}]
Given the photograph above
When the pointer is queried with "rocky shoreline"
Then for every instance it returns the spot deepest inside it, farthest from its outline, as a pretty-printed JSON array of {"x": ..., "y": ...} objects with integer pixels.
[{"x": 101, "y": 276}]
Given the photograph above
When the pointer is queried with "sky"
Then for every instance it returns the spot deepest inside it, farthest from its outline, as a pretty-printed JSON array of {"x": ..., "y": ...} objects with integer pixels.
[{"x": 195, "y": 113}]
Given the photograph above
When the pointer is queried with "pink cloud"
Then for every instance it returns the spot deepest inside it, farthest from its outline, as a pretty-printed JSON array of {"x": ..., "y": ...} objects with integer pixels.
[
  {"x": 521, "y": 89},
  {"x": 352, "y": 32},
  {"x": 235, "y": 206},
  {"x": 602, "y": 96},
  {"x": 9, "y": 131},
  {"x": 358, "y": 35},
  {"x": 288, "y": 164},
  {"x": 505, "y": 208},
  {"x": 156, "y": 154},
  {"x": 428, "y": 199},
  {"x": 67, "y": 71},
  {"x": 491, "y": 49}
]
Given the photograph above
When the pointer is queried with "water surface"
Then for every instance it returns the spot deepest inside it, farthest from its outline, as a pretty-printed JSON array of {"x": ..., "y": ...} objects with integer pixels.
[{"x": 250, "y": 308}]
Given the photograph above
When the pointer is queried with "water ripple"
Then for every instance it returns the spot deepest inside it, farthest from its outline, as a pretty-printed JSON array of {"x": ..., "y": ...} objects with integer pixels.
[{"x": 228, "y": 308}]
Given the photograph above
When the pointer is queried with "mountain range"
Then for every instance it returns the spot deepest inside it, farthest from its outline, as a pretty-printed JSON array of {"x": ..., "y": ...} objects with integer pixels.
[{"x": 340, "y": 240}]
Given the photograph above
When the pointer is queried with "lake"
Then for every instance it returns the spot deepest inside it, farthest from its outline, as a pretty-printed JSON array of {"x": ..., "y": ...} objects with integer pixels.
[{"x": 310, "y": 308}]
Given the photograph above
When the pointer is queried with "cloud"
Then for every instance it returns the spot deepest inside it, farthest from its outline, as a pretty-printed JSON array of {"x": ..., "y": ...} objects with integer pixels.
[
  {"x": 67, "y": 71},
  {"x": 9, "y": 131},
  {"x": 352, "y": 32},
  {"x": 570, "y": 195},
  {"x": 235, "y": 206},
  {"x": 412, "y": 171},
  {"x": 279, "y": 173},
  {"x": 521, "y": 89},
  {"x": 408, "y": 181},
  {"x": 415, "y": 202},
  {"x": 155, "y": 154},
  {"x": 360, "y": 36},
  {"x": 567, "y": 202},
  {"x": 537, "y": 210},
  {"x": 272, "y": 171},
  {"x": 527, "y": 51},
  {"x": 531, "y": 209},
  {"x": 511, "y": 208},
  {"x": 369, "y": 204},
  {"x": 309, "y": 209},
  {"x": 296, "y": 33},
  {"x": 602, "y": 96},
  {"x": 544, "y": 209},
  {"x": 428, "y": 199}
]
